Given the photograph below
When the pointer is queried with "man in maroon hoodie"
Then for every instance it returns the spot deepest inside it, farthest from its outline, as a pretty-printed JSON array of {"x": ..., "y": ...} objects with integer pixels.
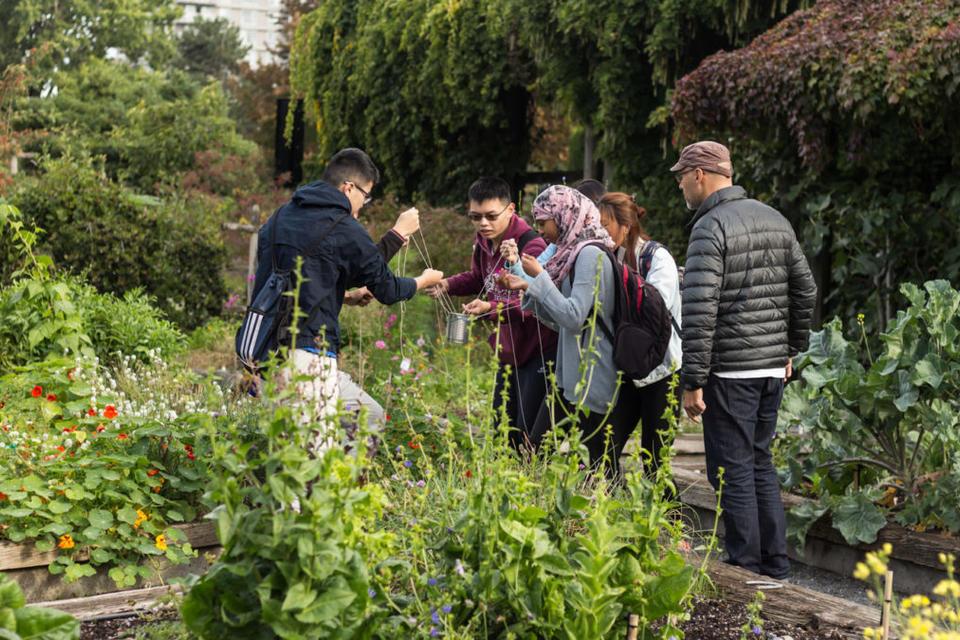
[{"x": 525, "y": 345}]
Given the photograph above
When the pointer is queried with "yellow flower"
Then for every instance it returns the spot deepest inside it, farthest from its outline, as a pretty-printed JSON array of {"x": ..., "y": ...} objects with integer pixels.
[
  {"x": 876, "y": 565},
  {"x": 141, "y": 518},
  {"x": 161, "y": 542},
  {"x": 919, "y": 626},
  {"x": 947, "y": 588},
  {"x": 862, "y": 572},
  {"x": 66, "y": 542},
  {"x": 860, "y": 318}
]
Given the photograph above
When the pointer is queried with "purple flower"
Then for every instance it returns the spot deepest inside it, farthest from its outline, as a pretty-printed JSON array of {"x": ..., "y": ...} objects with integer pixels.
[
  {"x": 372, "y": 593},
  {"x": 421, "y": 484},
  {"x": 380, "y": 344},
  {"x": 447, "y": 608},
  {"x": 434, "y": 616},
  {"x": 408, "y": 463},
  {"x": 432, "y": 582},
  {"x": 757, "y": 630},
  {"x": 434, "y": 632}
]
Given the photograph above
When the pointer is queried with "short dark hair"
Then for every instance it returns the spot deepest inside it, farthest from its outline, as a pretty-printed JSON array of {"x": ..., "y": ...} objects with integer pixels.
[
  {"x": 591, "y": 188},
  {"x": 489, "y": 188},
  {"x": 350, "y": 165}
]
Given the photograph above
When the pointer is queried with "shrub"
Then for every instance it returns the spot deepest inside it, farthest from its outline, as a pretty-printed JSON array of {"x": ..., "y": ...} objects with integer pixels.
[{"x": 122, "y": 241}]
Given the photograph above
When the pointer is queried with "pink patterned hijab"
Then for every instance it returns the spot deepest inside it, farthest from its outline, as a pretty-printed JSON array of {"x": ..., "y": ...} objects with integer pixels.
[{"x": 578, "y": 220}]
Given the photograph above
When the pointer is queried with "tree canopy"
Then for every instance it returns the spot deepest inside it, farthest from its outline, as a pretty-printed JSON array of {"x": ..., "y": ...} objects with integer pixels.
[{"x": 54, "y": 34}]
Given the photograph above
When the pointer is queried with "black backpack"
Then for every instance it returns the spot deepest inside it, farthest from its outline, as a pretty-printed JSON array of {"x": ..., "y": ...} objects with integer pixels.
[
  {"x": 266, "y": 325},
  {"x": 642, "y": 323}
]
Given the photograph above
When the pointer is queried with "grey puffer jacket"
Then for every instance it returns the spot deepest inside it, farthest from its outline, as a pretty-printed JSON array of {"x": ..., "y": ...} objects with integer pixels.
[{"x": 748, "y": 293}]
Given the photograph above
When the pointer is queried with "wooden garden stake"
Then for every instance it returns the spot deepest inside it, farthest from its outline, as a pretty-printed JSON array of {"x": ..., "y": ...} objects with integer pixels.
[
  {"x": 633, "y": 622},
  {"x": 887, "y": 599}
]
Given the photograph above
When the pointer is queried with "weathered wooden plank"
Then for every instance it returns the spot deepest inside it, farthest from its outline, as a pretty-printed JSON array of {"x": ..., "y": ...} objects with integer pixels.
[
  {"x": 107, "y": 604},
  {"x": 922, "y": 549},
  {"x": 792, "y": 604},
  {"x": 24, "y": 555}
]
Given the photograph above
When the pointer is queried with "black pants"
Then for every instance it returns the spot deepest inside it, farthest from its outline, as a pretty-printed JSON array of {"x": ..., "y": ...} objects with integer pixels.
[
  {"x": 604, "y": 448},
  {"x": 526, "y": 387},
  {"x": 645, "y": 406},
  {"x": 738, "y": 426}
]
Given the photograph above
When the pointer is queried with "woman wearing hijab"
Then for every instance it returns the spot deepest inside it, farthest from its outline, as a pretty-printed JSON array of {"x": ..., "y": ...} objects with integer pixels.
[{"x": 586, "y": 378}]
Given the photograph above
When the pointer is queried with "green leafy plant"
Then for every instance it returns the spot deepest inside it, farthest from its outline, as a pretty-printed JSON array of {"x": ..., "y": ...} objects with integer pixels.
[
  {"x": 18, "y": 621},
  {"x": 876, "y": 434}
]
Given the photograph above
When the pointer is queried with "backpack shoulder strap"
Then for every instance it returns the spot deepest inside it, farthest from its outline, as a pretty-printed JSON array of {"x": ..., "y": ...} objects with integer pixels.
[
  {"x": 646, "y": 257},
  {"x": 527, "y": 236}
]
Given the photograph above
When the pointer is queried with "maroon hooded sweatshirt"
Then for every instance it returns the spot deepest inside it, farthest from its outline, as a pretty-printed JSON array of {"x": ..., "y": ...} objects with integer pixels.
[{"x": 521, "y": 335}]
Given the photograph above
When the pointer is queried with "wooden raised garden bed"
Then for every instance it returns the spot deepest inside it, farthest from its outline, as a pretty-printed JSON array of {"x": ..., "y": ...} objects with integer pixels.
[
  {"x": 915, "y": 559},
  {"x": 29, "y": 568}
]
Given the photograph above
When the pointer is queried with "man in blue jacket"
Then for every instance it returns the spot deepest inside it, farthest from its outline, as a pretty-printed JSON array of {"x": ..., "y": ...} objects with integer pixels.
[{"x": 320, "y": 224}]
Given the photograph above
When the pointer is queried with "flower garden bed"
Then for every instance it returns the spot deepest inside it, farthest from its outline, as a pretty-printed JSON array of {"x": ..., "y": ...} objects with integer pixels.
[{"x": 31, "y": 568}]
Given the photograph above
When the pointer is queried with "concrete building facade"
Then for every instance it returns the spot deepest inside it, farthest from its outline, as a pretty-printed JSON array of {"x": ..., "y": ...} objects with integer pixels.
[{"x": 256, "y": 19}]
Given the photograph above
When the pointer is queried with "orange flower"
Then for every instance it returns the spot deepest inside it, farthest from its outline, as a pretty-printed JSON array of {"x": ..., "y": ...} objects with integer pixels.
[
  {"x": 37, "y": 391},
  {"x": 110, "y": 412},
  {"x": 121, "y": 436},
  {"x": 469, "y": 473},
  {"x": 141, "y": 518},
  {"x": 413, "y": 445},
  {"x": 153, "y": 472},
  {"x": 66, "y": 542},
  {"x": 161, "y": 542},
  {"x": 91, "y": 412}
]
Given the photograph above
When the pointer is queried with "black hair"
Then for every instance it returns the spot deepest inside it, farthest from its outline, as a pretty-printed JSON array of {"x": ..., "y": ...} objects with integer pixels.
[
  {"x": 591, "y": 188},
  {"x": 488, "y": 188},
  {"x": 350, "y": 165}
]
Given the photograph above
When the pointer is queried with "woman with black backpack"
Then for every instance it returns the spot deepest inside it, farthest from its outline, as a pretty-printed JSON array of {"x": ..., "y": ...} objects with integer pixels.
[
  {"x": 586, "y": 378},
  {"x": 645, "y": 400}
]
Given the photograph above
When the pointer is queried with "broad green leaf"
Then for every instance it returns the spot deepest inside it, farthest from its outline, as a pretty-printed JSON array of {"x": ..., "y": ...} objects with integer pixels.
[
  {"x": 58, "y": 507},
  {"x": 41, "y": 623},
  {"x": 10, "y": 593},
  {"x": 79, "y": 570},
  {"x": 299, "y": 596},
  {"x": 127, "y": 514},
  {"x": 857, "y": 518},
  {"x": 329, "y": 604},
  {"x": 101, "y": 518}
]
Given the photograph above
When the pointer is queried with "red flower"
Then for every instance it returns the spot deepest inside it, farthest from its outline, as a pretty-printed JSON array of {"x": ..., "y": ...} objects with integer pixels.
[
  {"x": 61, "y": 448},
  {"x": 110, "y": 412},
  {"x": 3, "y": 496},
  {"x": 52, "y": 397},
  {"x": 37, "y": 391},
  {"x": 189, "y": 451},
  {"x": 469, "y": 473},
  {"x": 152, "y": 472},
  {"x": 388, "y": 417},
  {"x": 121, "y": 436},
  {"x": 91, "y": 412},
  {"x": 100, "y": 428},
  {"x": 413, "y": 445}
]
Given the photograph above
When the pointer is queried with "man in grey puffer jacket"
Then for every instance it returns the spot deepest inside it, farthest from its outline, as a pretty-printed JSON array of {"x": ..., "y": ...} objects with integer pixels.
[{"x": 748, "y": 299}]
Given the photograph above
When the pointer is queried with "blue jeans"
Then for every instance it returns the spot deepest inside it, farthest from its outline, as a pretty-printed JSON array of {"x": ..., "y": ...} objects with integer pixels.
[{"x": 738, "y": 426}]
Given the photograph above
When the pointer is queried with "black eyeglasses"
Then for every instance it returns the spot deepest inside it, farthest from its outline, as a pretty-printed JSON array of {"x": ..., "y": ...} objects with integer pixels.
[
  {"x": 491, "y": 217},
  {"x": 367, "y": 198}
]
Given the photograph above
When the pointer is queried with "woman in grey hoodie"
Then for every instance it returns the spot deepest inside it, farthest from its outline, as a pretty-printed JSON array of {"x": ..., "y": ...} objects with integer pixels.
[{"x": 563, "y": 295}]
